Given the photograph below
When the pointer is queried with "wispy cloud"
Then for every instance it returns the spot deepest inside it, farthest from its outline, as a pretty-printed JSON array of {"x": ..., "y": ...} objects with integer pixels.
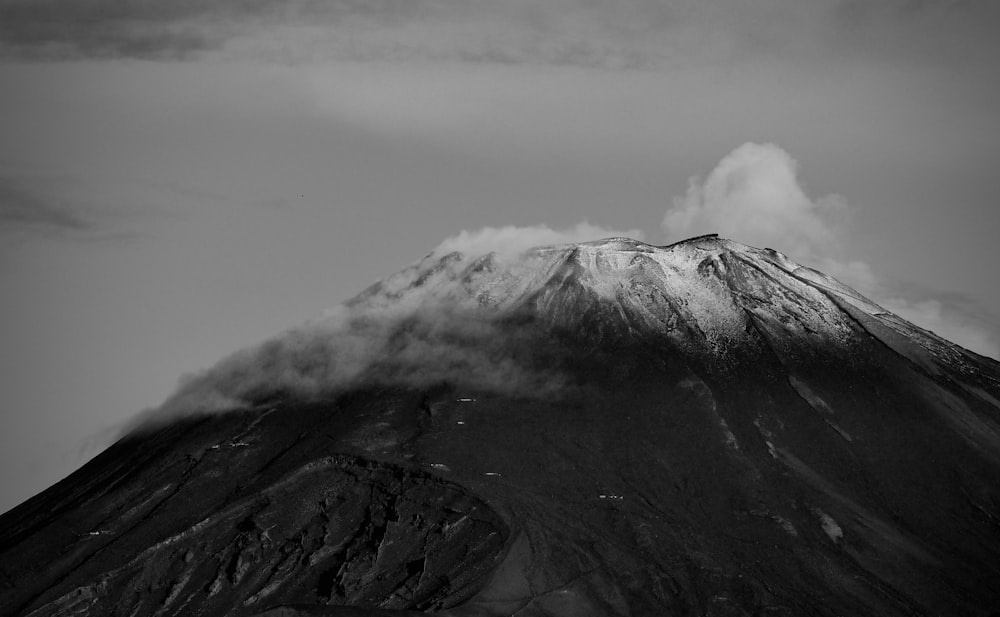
[
  {"x": 955, "y": 317},
  {"x": 24, "y": 206},
  {"x": 49, "y": 29},
  {"x": 411, "y": 339},
  {"x": 38, "y": 201},
  {"x": 754, "y": 195},
  {"x": 505, "y": 32},
  {"x": 621, "y": 34},
  {"x": 410, "y": 329}
]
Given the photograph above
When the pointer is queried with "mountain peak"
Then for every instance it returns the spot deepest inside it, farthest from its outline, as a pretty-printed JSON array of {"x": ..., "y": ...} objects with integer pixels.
[
  {"x": 704, "y": 284},
  {"x": 706, "y": 295},
  {"x": 491, "y": 320},
  {"x": 602, "y": 428}
]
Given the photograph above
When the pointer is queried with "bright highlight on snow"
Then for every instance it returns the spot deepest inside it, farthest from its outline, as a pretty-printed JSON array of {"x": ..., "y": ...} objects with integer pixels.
[{"x": 479, "y": 322}]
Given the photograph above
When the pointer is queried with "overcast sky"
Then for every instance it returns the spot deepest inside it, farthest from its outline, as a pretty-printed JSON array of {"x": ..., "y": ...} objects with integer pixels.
[{"x": 179, "y": 180}]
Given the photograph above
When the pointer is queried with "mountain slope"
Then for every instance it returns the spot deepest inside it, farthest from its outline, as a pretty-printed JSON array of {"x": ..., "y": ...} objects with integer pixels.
[{"x": 608, "y": 428}]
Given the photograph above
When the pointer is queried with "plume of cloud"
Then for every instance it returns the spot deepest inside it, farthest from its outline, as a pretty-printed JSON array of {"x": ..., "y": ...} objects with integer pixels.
[
  {"x": 509, "y": 241},
  {"x": 413, "y": 329},
  {"x": 754, "y": 195},
  {"x": 372, "y": 343}
]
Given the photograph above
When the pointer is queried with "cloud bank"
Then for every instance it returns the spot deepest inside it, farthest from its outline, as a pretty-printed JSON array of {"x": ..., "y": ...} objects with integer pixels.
[
  {"x": 620, "y": 34},
  {"x": 754, "y": 195}
]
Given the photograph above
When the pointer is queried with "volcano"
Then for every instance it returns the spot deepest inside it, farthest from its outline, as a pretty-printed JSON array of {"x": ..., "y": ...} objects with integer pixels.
[{"x": 608, "y": 428}]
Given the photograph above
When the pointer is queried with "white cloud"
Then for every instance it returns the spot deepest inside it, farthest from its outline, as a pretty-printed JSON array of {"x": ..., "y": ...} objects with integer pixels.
[
  {"x": 754, "y": 196},
  {"x": 610, "y": 34},
  {"x": 509, "y": 240},
  {"x": 947, "y": 320},
  {"x": 420, "y": 343},
  {"x": 389, "y": 337}
]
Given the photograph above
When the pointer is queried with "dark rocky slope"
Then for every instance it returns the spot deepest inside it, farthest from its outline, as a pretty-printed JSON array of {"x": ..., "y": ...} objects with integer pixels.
[{"x": 729, "y": 434}]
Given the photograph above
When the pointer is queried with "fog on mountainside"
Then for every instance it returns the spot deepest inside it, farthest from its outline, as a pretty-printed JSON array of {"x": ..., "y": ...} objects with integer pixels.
[{"x": 447, "y": 319}]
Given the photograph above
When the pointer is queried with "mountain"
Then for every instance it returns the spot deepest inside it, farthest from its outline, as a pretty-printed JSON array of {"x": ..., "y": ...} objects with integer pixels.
[{"x": 608, "y": 428}]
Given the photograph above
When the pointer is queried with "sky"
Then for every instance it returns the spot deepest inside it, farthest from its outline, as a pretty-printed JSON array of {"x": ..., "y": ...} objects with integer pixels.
[{"x": 182, "y": 180}]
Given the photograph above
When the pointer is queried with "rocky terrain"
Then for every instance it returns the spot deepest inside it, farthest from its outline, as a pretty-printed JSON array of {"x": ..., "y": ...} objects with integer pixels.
[{"x": 608, "y": 429}]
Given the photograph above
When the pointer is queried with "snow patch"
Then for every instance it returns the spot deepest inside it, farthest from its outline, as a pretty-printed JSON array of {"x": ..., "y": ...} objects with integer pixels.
[
  {"x": 810, "y": 397},
  {"x": 830, "y": 526},
  {"x": 787, "y": 526},
  {"x": 728, "y": 434},
  {"x": 767, "y": 435},
  {"x": 844, "y": 434}
]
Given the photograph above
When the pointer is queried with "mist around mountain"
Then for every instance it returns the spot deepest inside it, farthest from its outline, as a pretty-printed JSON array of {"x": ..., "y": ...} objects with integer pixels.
[{"x": 603, "y": 428}]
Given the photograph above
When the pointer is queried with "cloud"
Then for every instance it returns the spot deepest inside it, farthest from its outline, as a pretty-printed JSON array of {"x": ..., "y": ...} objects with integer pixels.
[
  {"x": 754, "y": 195},
  {"x": 414, "y": 328},
  {"x": 51, "y": 30},
  {"x": 24, "y": 206},
  {"x": 947, "y": 322},
  {"x": 508, "y": 31},
  {"x": 398, "y": 334},
  {"x": 571, "y": 32},
  {"x": 509, "y": 241},
  {"x": 958, "y": 33},
  {"x": 957, "y": 319},
  {"x": 589, "y": 33},
  {"x": 42, "y": 200}
]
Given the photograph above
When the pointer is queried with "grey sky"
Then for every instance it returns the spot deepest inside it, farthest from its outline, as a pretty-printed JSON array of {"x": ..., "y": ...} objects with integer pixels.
[{"x": 181, "y": 180}]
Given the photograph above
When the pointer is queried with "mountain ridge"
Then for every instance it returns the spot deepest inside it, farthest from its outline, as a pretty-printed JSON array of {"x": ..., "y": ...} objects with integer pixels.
[
  {"x": 608, "y": 429},
  {"x": 713, "y": 251}
]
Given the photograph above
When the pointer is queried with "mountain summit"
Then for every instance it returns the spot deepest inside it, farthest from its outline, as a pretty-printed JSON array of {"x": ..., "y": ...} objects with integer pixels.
[
  {"x": 607, "y": 428},
  {"x": 705, "y": 293}
]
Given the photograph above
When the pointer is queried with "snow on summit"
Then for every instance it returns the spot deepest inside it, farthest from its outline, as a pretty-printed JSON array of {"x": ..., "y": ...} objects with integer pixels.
[
  {"x": 705, "y": 284},
  {"x": 481, "y": 320}
]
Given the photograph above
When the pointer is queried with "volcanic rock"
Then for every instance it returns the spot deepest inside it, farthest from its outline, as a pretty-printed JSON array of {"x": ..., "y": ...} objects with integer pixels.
[{"x": 704, "y": 428}]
